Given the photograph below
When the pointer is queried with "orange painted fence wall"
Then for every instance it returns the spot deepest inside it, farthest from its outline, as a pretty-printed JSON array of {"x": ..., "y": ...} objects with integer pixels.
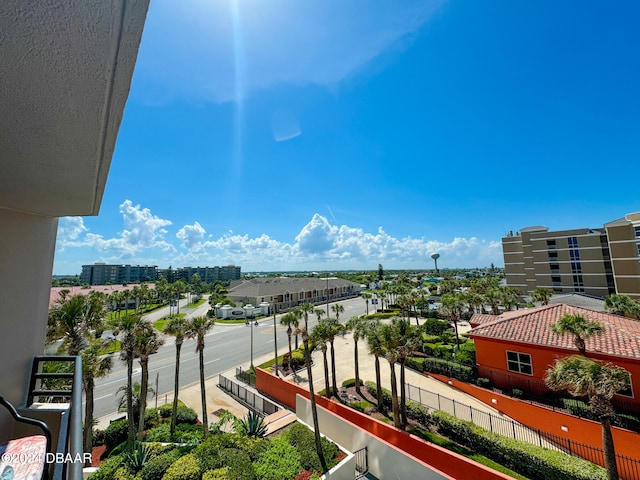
[
  {"x": 431, "y": 455},
  {"x": 580, "y": 430}
]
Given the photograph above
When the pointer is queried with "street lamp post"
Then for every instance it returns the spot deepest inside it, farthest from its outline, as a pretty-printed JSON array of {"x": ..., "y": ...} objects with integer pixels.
[
  {"x": 327, "y": 279},
  {"x": 251, "y": 325}
]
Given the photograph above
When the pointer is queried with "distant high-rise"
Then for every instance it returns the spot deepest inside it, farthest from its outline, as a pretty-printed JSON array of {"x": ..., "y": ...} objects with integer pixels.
[
  {"x": 101, "y": 273},
  {"x": 207, "y": 274},
  {"x": 596, "y": 261}
]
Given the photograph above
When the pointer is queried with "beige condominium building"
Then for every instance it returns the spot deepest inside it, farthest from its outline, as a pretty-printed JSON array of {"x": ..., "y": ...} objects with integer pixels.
[{"x": 595, "y": 261}]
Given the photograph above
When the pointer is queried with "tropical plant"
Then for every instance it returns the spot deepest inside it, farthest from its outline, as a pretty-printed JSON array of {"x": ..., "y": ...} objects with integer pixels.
[
  {"x": 580, "y": 327},
  {"x": 252, "y": 425},
  {"x": 599, "y": 382},
  {"x": 622, "y": 305},
  {"x": 146, "y": 343},
  {"x": 335, "y": 329},
  {"x": 389, "y": 342},
  {"x": 94, "y": 365},
  {"x": 409, "y": 339},
  {"x": 337, "y": 309},
  {"x": 73, "y": 319},
  {"x": 198, "y": 327},
  {"x": 177, "y": 327},
  {"x": 320, "y": 336},
  {"x": 138, "y": 458},
  {"x": 312, "y": 398},
  {"x": 542, "y": 295},
  {"x": 452, "y": 307},
  {"x": 376, "y": 349},
  {"x": 290, "y": 320},
  {"x": 127, "y": 325},
  {"x": 366, "y": 296},
  {"x": 359, "y": 327}
]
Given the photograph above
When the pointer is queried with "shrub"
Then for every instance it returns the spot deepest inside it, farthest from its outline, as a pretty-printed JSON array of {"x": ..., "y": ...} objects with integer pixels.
[
  {"x": 415, "y": 363},
  {"x": 251, "y": 426},
  {"x": 208, "y": 452},
  {"x": 443, "y": 351},
  {"x": 115, "y": 434},
  {"x": 155, "y": 468},
  {"x": 386, "y": 394},
  {"x": 138, "y": 458},
  {"x": 151, "y": 418},
  {"x": 238, "y": 463},
  {"x": 529, "y": 460},
  {"x": 361, "y": 406},
  {"x": 185, "y": 468},
  {"x": 463, "y": 373},
  {"x": 98, "y": 437},
  {"x": 186, "y": 415},
  {"x": 351, "y": 382},
  {"x": 517, "y": 393},
  {"x": 107, "y": 468},
  {"x": 217, "y": 474},
  {"x": 483, "y": 382},
  {"x": 418, "y": 412},
  {"x": 161, "y": 433},
  {"x": 165, "y": 410},
  {"x": 303, "y": 440},
  {"x": 280, "y": 461},
  {"x": 433, "y": 326}
]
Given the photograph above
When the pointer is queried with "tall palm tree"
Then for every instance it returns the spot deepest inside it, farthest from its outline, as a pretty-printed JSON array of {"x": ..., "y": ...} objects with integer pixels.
[
  {"x": 72, "y": 319},
  {"x": 198, "y": 328},
  {"x": 146, "y": 343},
  {"x": 305, "y": 309},
  {"x": 367, "y": 296},
  {"x": 126, "y": 325},
  {"x": 319, "y": 312},
  {"x": 320, "y": 336},
  {"x": 580, "y": 327},
  {"x": 599, "y": 382},
  {"x": 290, "y": 320},
  {"x": 337, "y": 309},
  {"x": 493, "y": 298},
  {"x": 409, "y": 339},
  {"x": 177, "y": 327},
  {"x": 376, "y": 349},
  {"x": 335, "y": 328},
  {"x": 453, "y": 306},
  {"x": 312, "y": 398},
  {"x": 359, "y": 328},
  {"x": 390, "y": 342},
  {"x": 94, "y": 365}
]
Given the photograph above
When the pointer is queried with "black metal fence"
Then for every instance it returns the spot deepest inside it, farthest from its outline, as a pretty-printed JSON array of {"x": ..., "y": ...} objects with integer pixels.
[
  {"x": 362, "y": 462},
  {"x": 244, "y": 376},
  {"x": 629, "y": 468},
  {"x": 250, "y": 398}
]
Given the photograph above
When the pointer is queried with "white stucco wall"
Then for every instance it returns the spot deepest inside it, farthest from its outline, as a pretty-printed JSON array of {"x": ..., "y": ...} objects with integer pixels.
[{"x": 27, "y": 245}]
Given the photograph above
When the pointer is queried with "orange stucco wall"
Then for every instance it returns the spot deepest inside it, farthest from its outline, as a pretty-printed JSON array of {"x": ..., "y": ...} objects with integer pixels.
[
  {"x": 580, "y": 430},
  {"x": 433, "y": 456},
  {"x": 491, "y": 355}
]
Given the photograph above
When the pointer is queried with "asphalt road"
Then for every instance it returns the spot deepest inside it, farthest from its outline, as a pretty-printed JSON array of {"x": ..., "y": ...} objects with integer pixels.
[{"x": 226, "y": 346}]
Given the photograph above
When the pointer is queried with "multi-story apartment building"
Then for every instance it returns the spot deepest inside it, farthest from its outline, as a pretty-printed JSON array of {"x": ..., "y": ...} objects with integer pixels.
[
  {"x": 207, "y": 274},
  {"x": 596, "y": 261},
  {"x": 101, "y": 274}
]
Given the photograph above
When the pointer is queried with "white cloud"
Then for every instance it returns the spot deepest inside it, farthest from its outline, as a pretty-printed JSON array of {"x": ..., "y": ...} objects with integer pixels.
[{"x": 319, "y": 245}]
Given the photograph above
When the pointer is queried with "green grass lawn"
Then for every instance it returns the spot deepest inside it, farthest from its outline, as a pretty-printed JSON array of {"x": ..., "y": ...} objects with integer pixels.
[
  {"x": 465, "y": 452},
  {"x": 113, "y": 348},
  {"x": 197, "y": 304},
  {"x": 160, "y": 324}
]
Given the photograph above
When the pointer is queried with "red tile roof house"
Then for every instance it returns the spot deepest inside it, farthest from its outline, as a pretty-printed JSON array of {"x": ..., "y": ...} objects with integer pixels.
[{"x": 515, "y": 349}]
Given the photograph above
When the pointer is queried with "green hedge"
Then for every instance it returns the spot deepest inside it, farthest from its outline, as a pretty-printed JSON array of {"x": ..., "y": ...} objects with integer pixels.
[
  {"x": 280, "y": 461},
  {"x": 530, "y": 460},
  {"x": 303, "y": 440},
  {"x": 455, "y": 370},
  {"x": 115, "y": 434},
  {"x": 185, "y": 468},
  {"x": 155, "y": 468}
]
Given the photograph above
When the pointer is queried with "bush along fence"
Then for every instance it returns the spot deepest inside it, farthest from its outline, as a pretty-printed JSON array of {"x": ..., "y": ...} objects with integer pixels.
[{"x": 629, "y": 468}]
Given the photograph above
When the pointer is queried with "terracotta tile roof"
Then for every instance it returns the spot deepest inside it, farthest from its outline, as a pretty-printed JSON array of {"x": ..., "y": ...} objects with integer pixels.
[{"x": 621, "y": 336}]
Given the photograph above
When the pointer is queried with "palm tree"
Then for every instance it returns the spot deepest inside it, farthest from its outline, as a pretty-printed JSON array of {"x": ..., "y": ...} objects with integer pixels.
[
  {"x": 337, "y": 309},
  {"x": 72, "y": 318},
  {"x": 335, "y": 328},
  {"x": 94, "y": 365},
  {"x": 312, "y": 398},
  {"x": 359, "y": 327},
  {"x": 290, "y": 320},
  {"x": 304, "y": 311},
  {"x": 542, "y": 295},
  {"x": 198, "y": 327},
  {"x": 320, "y": 336},
  {"x": 622, "y": 305},
  {"x": 390, "y": 342},
  {"x": 319, "y": 313},
  {"x": 127, "y": 325},
  {"x": 366, "y": 296},
  {"x": 452, "y": 307},
  {"x": 599, "y": 382},
  {"x": 146, "y": 343},
  {"x": 493, "y": 298},
  {"x": 578, "y": 326},
  {"x": 177, "y": 327},
  {"x": 409, "y": 339},
  {"x": 376, "y": 349}
]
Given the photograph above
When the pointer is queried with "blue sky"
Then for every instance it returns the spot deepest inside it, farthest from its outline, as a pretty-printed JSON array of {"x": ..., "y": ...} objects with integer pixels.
[{"x": 288, "y": 135}]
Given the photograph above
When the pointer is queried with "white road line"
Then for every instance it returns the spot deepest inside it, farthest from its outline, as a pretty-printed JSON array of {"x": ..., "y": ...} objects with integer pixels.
[{"x": 211, "y": 361}]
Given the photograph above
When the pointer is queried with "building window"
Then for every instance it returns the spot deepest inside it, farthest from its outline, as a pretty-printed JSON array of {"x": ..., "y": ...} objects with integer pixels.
[
  {"x": 638, "y": 246},
  {"x": 637, "y": 230},
  {"x": 573, "y": 242},
  {"x": 519, "y": 363},
  {"x": 627, "y": 392}
]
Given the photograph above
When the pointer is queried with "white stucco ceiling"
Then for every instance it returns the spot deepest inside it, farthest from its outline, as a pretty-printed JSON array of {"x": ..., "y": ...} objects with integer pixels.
[{"x": 65, "y": 73}]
